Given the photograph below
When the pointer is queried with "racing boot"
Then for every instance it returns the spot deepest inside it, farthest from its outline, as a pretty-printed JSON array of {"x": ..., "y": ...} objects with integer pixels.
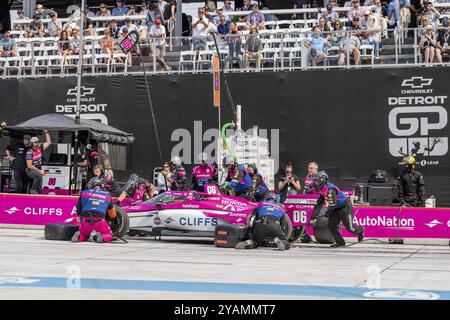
[
  {"x": 98, "y": 237},
  {"x": 247, "y": 244},
  {"x": 361, "y": 236},
  {"x": 76, "y": 236},
  {"x": 279, "y": 244}
]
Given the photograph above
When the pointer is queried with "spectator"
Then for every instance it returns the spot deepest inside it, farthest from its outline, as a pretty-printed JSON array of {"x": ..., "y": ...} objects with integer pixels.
[
  {"x": 114, "y": 29},
  {"x": 158, "y": 33},
  {"x": 41, "y": 12},
  {"x": 392, "y": 14},
  {"x": 424, "y": 23},
  {"x": 17, "y": 154},
  {"x": 314, "y": 15},
  {"x": 288, "y": 184},
  {"x": 34, "y": 158},
  {"x": 21, "y": 16},
  {"x": 104, "y": 11},
  {"x": 129, "y": 25},
  {"x": 228, "y": 6},
  {"x": 144, "y": 12},
  {"x": 405, "y": 15},
  {"x": 35, "y": 28},
  {"x": 89, "y": 28},
  {"x": 8, "y": 46},
  {"x": 107, "y": 43},
  {"x": 119, "y": 10},
  {"x": 416, "y": 9},
  {"x": 75, "y": 41},
  {"x": 355, "y": 11},
  {"x": 443, "y": 38},
  {"x": 325, "y": 29},
  {"x": 256, "y": 19},
  {"x": 169, "y": 12},
  {"x": 248, "y": 6},
  {"x": 162, "y": 6},
  {"x": 380, "y": 13},
  {"x": 131, "y": 10},
  {"x": 54, "y": 26},
  {"x": 372, "y": 35},
  {"x": 200, "y": 26},
  {"x": 163, "y": 179},
  {"x": 355, "y": 24},
  {"x": 432, "y": 14},
  {"x": 316, "y": 45},
  {"x": 350, "y": 46},
  {"x": 64, "y": 44},
  {"x": 429, "y": 46},
  {"x": 187, "y": 25},
  {"x": 153, "y": 14},
  {"x": 253, "y": 47},
  {"x": 338, "y": 33},
  {"x": 219, "y": 15},
  {"x": 88, "y": 13},
  {"x": 330, "y": 16},
  {"x": 70, "y": 24},
  {"x": 234, "y": 47},
  {"x": 224, "y": 26},
  {"x": 363, "y": 22}
]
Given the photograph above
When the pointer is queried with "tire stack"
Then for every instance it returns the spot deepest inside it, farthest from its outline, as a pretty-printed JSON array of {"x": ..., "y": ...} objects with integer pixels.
[{"x": 228, "y": 235}]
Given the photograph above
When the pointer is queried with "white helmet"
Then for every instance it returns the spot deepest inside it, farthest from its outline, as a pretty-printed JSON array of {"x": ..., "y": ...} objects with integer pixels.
[
  {"x": 176, "y": 161},
  {"x": 203, "y": 157}
]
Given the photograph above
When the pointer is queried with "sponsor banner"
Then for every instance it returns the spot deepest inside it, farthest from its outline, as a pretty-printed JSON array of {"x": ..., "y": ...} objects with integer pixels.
[{"x": 37, "y": 209}]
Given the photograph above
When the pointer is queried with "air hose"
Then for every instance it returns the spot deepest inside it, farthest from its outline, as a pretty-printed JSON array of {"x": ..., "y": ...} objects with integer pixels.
[{"x": 225, "y": 140}]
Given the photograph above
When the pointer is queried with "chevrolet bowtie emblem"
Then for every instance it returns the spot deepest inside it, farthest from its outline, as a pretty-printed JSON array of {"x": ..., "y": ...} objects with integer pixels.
[
  {"x": 84, "y": 91},
  {"x": 417, "y": 82}
]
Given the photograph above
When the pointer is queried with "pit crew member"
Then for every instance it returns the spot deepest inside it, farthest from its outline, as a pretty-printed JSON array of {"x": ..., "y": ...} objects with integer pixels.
[
  {"x": 260, "y": 189},
  {"x": 411, "y": 185},
  {"x": 203, "y": 174},
  {"x": 34, "y": 159},
  {"x": 238, "y": 182},
  {"x": 178, "y": 178}
]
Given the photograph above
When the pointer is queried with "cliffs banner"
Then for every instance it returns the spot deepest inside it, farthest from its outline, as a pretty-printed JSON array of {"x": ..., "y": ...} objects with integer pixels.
[{"x": 350, "y": 122}]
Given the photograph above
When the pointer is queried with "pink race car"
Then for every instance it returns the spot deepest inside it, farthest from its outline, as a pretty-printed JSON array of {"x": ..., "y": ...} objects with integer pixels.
[{"x": 191, "y": 213}]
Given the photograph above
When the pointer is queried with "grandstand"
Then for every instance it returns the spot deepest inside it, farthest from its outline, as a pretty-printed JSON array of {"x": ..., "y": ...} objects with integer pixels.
[{"x": 284, "y": 45}]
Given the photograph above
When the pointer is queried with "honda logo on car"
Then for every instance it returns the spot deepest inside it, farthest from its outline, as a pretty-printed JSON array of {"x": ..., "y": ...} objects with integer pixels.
[{"x": 200, "y": 221}]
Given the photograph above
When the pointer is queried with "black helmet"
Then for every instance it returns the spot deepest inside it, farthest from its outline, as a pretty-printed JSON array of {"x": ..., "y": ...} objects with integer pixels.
[
  {"x": 320, "y": 180},
  {"x": 96, "y": 182},
  {"x": 229, "y": 164}
]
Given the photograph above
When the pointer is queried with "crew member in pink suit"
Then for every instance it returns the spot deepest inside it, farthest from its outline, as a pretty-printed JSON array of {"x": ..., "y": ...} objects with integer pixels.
[
  {"x": 92, "y": 207},
  {"x": 203, "y": 174}
]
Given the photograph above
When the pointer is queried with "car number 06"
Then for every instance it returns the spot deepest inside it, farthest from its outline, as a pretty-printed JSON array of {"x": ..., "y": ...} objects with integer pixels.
[
  {"x": 299, "y": 216},
  {"x": 211, "y": 190}
]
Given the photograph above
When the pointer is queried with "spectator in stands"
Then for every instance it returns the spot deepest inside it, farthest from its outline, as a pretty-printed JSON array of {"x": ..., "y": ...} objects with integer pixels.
[
  {"x": 330, "y": 16},
  {"x": 405, "y": 15},
  {"x": 70, "y": 25},
  {"x": 64, "y": 44},
  {"x": 35, "y": 28},
  {"x": 162, "y": 6},
  {"x": 107, "y": 43},
  {"x": 248, "y": 6},
  {"x": 158, "y": 33},
  {"x": 228, "y": 6},
  {"x": 114, "y": 29},
  {"x": 371, "y": 34},
  {"x": 21, "y": 16},
  {"x": 8, "y": 46},
  {"x": 187, "y": 25},
  {"x": 163, "y": 179},
  {"x": 256, "y": 19},
  {"x": 104, "y": 11},
  {"x": 219, "y": 15},
  {"x": 253, "y": 48},
  {"x": 355, "y": 11},
  {"x": 75, "y": 41},
  {"x": 392, "y": 14},
  {"x": 424, "y": 23},
  {"x": 443, "y": 38},
  {"x": 88, "y": 12},
  {"x": 200, "y": 26},
  {"x": 223, "y": 29},
  {"x": 364, "y": 20},
  {"x": 314, "y": 15},
  {"x": 416, "y": 10},
  {"x": 355, "y": 24},
  {"x": 325, "y": 29},
  {"x": 350, "y": 46},
  {"x": 131, "y": 10},
  {"x": 234, "y": 47},
  {"x": 143, "y": 12},
  {"x": 119, "y": 10},
  {"x": 153, "y": 14},
  {"x": 54, "y": 26},
  {"x": 289, "y": 183},
  {"x": 129, "y": 25},
  {"x": 89, "y": 28},
  {"x": 316, "y": 45},
  {"x": 170, "y": 11},
  {"x": 429, "y": 46},
  {"x": 380, "y": 13},
  {"x": 338, "y": 33},
  {"x": 432, "y": 14},
  {"x": 42, "y": 12}
]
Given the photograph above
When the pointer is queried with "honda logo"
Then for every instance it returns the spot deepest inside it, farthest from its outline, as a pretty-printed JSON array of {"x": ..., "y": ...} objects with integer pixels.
[{"x": 417, "y": 82}]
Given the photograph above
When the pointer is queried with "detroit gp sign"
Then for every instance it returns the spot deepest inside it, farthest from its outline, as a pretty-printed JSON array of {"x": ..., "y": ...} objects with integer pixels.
[{"x": 418, "y": 121}]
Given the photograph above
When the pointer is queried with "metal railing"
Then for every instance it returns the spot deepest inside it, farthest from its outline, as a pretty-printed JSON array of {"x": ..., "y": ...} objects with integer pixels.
[{"x": 280, "y": 50}]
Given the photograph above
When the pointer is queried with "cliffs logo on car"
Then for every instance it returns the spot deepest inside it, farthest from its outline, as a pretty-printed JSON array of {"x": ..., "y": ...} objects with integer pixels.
[
  {"x": 201, "y": 221},
  {"x": 418, "y": 122}
]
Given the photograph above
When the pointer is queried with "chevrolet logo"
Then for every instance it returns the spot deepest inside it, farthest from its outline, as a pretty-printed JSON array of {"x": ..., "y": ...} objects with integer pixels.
[
  {"x": 417, "y": 82},
  {"x": 84, "y": 91}
]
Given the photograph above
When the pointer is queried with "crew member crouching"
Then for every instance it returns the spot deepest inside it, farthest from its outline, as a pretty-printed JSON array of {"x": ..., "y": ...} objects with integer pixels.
[
  {"x": 238, "y": 182},
  {"x": 260, "y": 189},
  {"x": 92, "y": 207},
  {"x": 339, "y": 208},
  {"x": 268, "y": 219}
]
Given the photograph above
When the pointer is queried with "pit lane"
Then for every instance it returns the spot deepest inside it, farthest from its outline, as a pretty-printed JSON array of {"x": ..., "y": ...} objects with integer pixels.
[{"x": 183, "y": 268}]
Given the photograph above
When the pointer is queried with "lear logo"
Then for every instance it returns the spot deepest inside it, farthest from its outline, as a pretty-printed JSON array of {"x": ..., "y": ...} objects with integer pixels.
[
  {"x": 84, "y": 91},
  {"x": 12, "y": 210},
  {"x": 433, "y": 223},
  {"x": 417, "y": 82}
]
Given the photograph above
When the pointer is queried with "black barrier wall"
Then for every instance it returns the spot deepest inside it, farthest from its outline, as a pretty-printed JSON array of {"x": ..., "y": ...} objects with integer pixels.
[{"x": 350, "y": 122}]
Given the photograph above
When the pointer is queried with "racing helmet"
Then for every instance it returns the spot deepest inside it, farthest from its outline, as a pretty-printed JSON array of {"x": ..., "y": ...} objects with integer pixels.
[
  {"x": 96, "y": 182},
  {"x": 228, "y": 164},
  {"x": 203, "y": 157},
  {"x": 320, "y": 180},
  {"x": 176, "y": 161},
  {"x": 409, "y": 161}
]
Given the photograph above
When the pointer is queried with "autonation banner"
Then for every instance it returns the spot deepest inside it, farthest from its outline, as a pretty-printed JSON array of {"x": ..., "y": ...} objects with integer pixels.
[{"x": 350, "y": 122}]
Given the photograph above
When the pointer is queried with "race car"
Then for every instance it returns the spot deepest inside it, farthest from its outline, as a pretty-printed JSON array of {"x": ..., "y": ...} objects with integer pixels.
[{"x": 191, "y": 213}]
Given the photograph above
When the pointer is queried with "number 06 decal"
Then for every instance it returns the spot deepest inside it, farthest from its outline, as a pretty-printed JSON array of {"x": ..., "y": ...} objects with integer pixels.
[
  {"x": 299, "y": 216},
  {"x": 211, "y": 190}
]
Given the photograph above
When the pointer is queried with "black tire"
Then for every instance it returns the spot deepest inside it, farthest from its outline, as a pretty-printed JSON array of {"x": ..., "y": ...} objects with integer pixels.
[
  {"x": 322, "y": 232},
  {"x": 121, "y": 225},
  {"x": 60, "y": 231},
  {"x": 296, "y": 234}
]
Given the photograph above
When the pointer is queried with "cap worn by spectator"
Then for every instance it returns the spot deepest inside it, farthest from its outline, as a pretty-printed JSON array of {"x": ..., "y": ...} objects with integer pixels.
[
  {"x": 329, "y": 7},
  {"x": 158, "y": 21},
  {"x": 39, "y": 6},
  {"x": 367, "y": 12},
  {"x": 34, "y": 139},
  {"x": 27, "y": 137},
  {"x": 36, "y": 16}
]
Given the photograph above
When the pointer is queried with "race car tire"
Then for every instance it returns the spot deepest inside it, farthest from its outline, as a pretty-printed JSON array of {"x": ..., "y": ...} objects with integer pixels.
[
  {"x": 121, "y": 225},
  {"x": 60, "y": 231},
  {"x": 286, "y": 225},
  {"x": 322, "y": 232},
  {"x": 296, "y": 234}
]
